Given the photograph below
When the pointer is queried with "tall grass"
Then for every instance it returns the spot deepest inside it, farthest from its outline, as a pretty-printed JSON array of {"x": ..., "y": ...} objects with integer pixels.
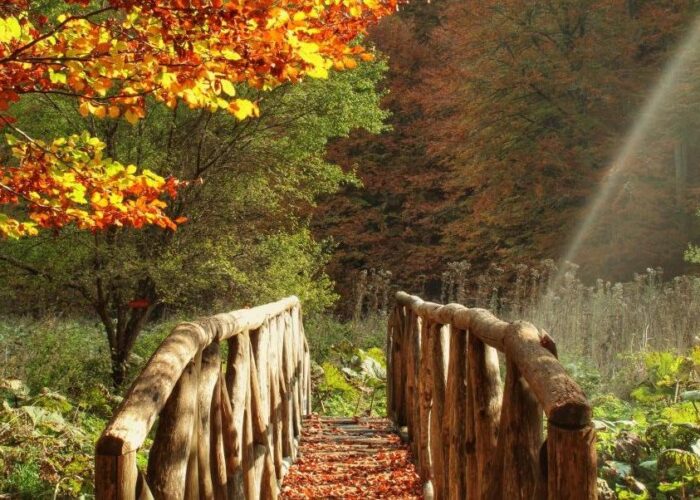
[{"x": 607, "y": 325}]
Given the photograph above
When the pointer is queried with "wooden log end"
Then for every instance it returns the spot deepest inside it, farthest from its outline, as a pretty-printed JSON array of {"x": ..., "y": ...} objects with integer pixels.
[
  {"x": 110, "y": 445},
  {"x": 571, "y": 415}
]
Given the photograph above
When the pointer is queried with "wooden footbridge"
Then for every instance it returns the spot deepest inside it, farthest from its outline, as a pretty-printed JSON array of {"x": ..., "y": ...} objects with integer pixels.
[{"x": 196, "y": 425}]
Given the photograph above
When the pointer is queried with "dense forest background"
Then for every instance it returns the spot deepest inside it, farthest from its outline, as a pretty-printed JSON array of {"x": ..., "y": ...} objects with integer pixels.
[{"x": 504, "y": 121}]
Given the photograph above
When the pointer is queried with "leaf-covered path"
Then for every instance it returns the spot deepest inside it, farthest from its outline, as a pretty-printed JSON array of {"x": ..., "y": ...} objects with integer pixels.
[{"x": 352, "y": 458}]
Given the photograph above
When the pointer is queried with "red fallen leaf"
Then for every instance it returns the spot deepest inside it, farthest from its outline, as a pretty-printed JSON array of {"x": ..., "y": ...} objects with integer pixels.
[{"x": 351, "y": 467}]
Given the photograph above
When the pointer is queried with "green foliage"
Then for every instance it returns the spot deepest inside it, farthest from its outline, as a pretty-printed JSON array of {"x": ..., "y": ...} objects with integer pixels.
[
  {"x": 649, "y": 446},
  {"x": 350, "y": 377},
  {"x": 25, "y": 481},
  {"x": 46, "y": 443}
]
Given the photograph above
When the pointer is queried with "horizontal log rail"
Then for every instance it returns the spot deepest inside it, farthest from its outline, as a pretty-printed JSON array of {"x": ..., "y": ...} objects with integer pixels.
[
  {"x": 472, "y": 436},
  {"x": 224, "y": 430}
]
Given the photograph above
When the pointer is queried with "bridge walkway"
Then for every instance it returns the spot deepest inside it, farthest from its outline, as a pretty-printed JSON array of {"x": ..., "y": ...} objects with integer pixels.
[{"x": 351, "y": 458}]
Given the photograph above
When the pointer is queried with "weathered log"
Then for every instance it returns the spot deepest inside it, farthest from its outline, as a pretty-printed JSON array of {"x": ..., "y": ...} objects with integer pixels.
[
  {"x": 439, "y": 339},
  {"x": 217, "y": 451},
  {"x": 276, "y": 423},
  {"x": 237, "y": 381},
  {"x": 515, "y": 471},
  {"x": 397, "y": 367},
  {"x": 143, "y": 491},
  {"x": 116, "y": 476},
  {"x": 170, "y": 453},
  {"x": 389, "y": 350},
  {"x": 571, "y": 463},
  {"x": 425, "y": 396},
  {"x": 277, "y": 388},
  {"x": 192, "y": 477},
  {"x": 251, "y": 485},
  {"x": 233, "y": 444},
  {"x": 456, "y": 404},
  {"x": 287, "y": 396},
  {"x": 485, "y": 381},
  {"x": 265, "y": 475},
  {"x": 307, "y": 379},
  {"x": 148, "y": 394},
  {"x": 227, "y": 325},
  {"x": 209, "y": 374},
  {"x": 414, "y": 349},
  {"x": 471, "y": 462}
]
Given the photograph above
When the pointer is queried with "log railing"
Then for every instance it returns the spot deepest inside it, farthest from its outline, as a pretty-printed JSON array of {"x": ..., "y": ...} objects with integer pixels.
[
  {"x": 471, "y": 436},
  {"x": 221, "y": 433}
]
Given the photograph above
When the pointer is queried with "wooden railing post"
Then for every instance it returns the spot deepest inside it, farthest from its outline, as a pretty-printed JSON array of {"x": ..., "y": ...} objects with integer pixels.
[
  {"x": 454, "y": 423},
  {"x": 425, "y": 402},
  {"x": 471, "y": 436},
  {"x": 571, "y": 463},
  {"x": 170, "y": 453},
  {"x": 439, "y": 340},
  {"x": 116, "y": 476}
]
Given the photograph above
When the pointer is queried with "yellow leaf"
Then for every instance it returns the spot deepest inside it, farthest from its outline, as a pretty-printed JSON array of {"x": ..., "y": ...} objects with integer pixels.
[
  {"x": 9, "y": 29},
  {"x": 114, "y": 112},
  {"x": 228, "y": 87},
  {"x": 131, "y": 116},
  {"x": 243, "y": 108},
  {"x": 231, "y": 55},
  {"x": 14, "y": 27}
]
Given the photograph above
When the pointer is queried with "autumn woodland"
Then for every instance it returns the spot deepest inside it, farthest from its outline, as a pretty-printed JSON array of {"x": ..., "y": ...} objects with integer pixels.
[{"x": 350, "y": 249}]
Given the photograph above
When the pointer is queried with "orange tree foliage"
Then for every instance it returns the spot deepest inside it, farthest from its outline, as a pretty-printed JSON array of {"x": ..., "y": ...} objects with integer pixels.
[{"x": 112, "y": 56}]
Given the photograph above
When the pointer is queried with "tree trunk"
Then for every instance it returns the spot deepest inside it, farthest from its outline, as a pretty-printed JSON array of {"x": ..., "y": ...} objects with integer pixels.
[{"x": 123, "y": 332}]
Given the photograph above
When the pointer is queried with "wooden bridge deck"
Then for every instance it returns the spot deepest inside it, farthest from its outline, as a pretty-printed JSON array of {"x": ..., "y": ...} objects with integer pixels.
[{"x": 351, "y": 458}]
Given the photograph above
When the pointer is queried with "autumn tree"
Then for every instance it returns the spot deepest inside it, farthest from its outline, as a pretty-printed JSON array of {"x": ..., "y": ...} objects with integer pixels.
[
  {"x": 246, "y": 239},
  {"x": 215, "y": 93},
  {"x": 114, "y": 57},
  {"x": 390, "y": 221}
]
